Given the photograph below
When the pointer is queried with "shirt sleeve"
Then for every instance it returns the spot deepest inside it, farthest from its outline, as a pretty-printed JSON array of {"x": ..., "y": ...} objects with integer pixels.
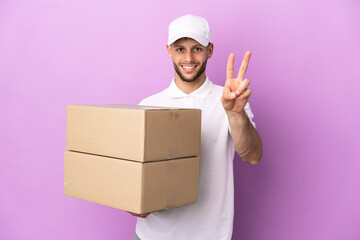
[
  {"x": 143, "y": 102},
  {"x": 249, "y": 113}
]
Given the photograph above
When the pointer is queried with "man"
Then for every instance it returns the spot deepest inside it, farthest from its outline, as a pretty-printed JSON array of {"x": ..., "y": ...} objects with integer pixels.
[{"x": 226, "y": 126}]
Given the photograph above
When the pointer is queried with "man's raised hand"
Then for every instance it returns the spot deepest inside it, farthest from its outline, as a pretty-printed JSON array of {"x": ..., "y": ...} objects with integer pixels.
[{"x": 235, "y": 93}]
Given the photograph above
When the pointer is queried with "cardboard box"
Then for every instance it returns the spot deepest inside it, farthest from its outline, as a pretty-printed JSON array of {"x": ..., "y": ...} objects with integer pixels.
[
  {"x": 137, "y": 133},
  {"x": 131, "y": 185}
]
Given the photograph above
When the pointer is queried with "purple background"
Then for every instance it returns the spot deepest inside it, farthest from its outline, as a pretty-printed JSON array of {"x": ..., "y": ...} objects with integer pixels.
[{"x": 304, "y": 74}]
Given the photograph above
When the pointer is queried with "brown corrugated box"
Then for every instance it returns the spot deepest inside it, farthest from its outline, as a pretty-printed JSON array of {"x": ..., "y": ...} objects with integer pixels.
[
  {"x": 136, "y": 158},
  {"x": 129, "y": 185},
  {"x": 137, "y": 133}
]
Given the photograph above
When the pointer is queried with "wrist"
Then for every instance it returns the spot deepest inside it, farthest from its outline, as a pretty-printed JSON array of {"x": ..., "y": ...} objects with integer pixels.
[
  {"x": 237, "y": 117},
  {"x": 240, "y": 114}
]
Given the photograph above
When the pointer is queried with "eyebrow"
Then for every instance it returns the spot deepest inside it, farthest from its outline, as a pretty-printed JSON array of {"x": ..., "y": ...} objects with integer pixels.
[{"x": 179, "y": 45}]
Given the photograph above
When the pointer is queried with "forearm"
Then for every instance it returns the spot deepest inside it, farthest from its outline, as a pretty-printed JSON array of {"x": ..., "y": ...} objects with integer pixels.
[{"x": 247, "y": 141}]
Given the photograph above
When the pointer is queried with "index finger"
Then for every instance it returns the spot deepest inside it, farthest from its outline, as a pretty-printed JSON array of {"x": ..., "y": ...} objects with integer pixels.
[
  {"x": 244, "y": 65},
  {"x": 230, "y": 66}
]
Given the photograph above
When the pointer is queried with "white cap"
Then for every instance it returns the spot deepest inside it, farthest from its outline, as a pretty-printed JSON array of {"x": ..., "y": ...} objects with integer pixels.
[{"x": 190, "y": 26}]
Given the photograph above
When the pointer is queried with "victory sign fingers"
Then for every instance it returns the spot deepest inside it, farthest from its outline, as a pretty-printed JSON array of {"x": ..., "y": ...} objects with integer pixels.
[
  {"x": 235, "y": 89},
  {"x": 237, "y": 85}
]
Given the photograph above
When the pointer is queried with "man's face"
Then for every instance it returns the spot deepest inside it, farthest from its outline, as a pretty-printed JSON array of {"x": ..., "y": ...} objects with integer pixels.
[{"x": 189, "y": 58}]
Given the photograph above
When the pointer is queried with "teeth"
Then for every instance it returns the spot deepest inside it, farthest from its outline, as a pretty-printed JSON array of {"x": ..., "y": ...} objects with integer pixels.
[{"x": 188, "y": 67}]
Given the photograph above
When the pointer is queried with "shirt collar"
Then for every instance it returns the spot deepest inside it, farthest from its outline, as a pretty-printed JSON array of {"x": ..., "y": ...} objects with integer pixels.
[{"x": 202, "y": 92}]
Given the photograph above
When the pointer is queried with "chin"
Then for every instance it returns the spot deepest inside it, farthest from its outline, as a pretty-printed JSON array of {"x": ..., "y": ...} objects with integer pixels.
[
  {"x": 195, "y": 75},
  {"x": 188, "y": 80}
]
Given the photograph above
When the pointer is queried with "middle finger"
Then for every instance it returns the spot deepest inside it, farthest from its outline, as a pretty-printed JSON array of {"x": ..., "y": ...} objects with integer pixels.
[{"x": 244, "y": 65}]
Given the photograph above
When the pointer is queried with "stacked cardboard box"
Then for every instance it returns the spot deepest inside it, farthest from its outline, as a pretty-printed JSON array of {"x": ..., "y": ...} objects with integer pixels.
[{"x": 136, "y": 158}]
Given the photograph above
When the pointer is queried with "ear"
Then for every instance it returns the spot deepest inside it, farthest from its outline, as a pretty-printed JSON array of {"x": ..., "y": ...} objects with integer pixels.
[
  {"x": 168, "y": 48},
  {"x": 210, "y": 50}
]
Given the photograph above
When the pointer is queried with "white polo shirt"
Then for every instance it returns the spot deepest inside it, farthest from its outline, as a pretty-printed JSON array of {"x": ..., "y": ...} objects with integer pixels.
[{"x": 212, "y": 216}]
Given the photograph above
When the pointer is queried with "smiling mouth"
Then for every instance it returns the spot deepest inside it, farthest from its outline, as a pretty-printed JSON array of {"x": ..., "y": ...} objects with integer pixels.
[{"x": 188, "y": 68}]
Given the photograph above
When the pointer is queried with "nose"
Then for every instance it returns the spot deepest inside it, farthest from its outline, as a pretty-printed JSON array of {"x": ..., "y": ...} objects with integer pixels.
[{"x": 189, "y": 56}]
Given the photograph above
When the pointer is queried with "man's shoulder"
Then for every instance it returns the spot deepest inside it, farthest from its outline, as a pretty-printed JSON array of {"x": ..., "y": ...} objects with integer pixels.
[
  {"x": 155, "y": 99},
  {"x": 216, "y": 89}
]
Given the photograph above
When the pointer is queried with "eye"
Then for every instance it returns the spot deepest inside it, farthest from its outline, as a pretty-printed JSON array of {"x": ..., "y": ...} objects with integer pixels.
[
  {"x": 179, "y": 49},
  {"x": 197, "y": 49}
]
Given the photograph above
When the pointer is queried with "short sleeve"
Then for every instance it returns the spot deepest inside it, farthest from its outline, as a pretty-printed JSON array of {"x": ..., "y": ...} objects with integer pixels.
[
  {"x": 249, "y": 113},
  {"x": 144, "y": 102}
]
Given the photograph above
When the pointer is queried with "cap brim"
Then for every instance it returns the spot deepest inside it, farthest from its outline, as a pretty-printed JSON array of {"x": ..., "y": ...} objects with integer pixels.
[{"x": 203, "y": 41}]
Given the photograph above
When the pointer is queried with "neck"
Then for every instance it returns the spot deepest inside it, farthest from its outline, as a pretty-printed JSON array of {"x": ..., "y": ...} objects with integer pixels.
[{"x": 189, "y": 87}]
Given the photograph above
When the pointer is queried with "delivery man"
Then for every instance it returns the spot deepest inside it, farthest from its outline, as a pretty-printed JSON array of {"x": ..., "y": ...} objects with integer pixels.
[{"x": 227, "y": 127}]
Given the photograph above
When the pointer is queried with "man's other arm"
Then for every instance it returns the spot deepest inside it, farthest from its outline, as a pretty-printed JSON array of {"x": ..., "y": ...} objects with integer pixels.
[{"x": 247, "y": 141}]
